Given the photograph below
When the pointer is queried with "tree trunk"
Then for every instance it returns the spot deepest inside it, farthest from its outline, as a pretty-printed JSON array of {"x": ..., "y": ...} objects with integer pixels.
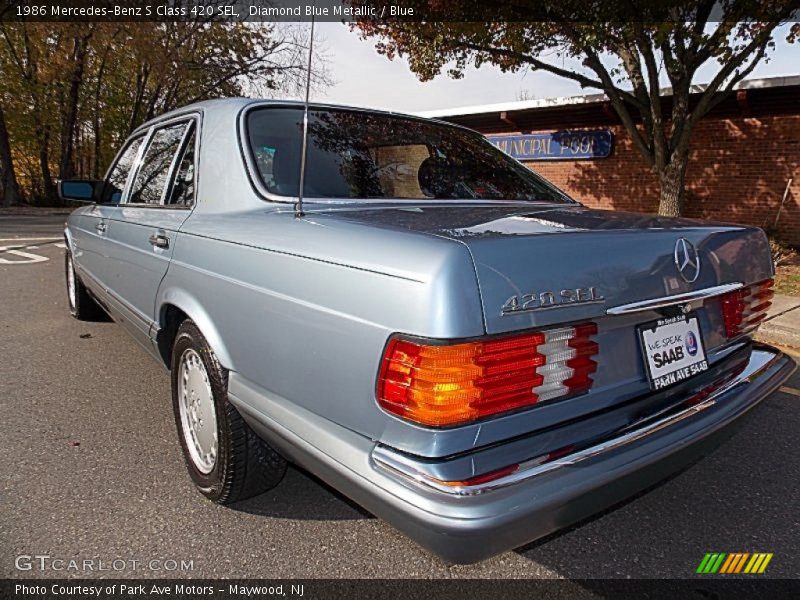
[
  {"x": 673, "y": 187},
  {"x": 8, "y": 178},
  {"x": 49, "y": 188},
  {"x": 96, "y": 118},
  {"x": 70, "y": 115},
  {"x": 97, "y": 145},
  {"x": 141, "y": 85}
]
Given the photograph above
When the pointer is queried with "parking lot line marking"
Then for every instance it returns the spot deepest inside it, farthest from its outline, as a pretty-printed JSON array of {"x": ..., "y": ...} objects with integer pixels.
[
  {"x": 789, "y": 390},
  {"x": 60, "y": 245},
  {"x": 32, "y": 239},
  {"x": 27, "y": 256}
]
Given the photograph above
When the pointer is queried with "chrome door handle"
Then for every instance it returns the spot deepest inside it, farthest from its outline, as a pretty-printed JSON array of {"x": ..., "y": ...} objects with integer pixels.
[
  {"x": 101, "y": 227},
  {"x": 159, "y": 241}
]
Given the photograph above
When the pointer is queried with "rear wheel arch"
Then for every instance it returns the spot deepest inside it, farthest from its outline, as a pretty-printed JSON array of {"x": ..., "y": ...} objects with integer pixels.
[
  {"x": 172, "y": 313},
  {"x": 170, "y": 319}
]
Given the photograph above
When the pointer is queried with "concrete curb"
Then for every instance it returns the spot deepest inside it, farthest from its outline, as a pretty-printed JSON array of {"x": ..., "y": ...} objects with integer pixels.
[{"x": 782, "y": 325}]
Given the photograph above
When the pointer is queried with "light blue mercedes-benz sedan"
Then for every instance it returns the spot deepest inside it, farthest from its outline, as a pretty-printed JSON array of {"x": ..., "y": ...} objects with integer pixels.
[{"x": 429, "y": 327}]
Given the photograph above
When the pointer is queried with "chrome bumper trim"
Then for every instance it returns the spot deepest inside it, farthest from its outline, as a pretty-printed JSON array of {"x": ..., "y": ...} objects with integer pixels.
[
  {"x": 663, "y": 301},
  {"x": 408, "y": 469}
]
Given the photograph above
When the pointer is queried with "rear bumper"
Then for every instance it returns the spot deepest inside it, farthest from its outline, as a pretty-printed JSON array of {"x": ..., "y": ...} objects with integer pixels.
[{"x": 466, "y": 525}]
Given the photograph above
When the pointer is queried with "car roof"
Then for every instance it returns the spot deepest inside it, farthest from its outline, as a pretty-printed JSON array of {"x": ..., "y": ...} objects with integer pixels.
[{"x": 236, "y": 104}]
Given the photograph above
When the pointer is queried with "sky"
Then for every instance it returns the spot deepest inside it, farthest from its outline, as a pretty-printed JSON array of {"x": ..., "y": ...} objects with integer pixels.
[{"x": 365, "y": 78}]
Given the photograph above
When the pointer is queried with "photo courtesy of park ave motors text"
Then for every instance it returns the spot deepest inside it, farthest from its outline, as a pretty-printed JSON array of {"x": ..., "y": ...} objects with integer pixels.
[{"x": 335, "y": 295}]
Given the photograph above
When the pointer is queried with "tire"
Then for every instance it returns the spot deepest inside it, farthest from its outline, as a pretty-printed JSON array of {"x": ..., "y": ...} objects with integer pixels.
[
  {"x": 237, "y": 464},
  {"x": 81, "y": 305}
]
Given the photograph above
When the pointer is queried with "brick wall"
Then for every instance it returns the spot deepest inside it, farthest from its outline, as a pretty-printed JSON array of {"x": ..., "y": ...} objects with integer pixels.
[{"x": 738, "y": 172}]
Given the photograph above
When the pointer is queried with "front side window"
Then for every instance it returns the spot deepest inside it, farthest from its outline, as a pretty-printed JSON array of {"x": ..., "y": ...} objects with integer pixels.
[
  {"x": 151, "y": 180},
  {"x": 356, "y": 154},
  {"x": 115, "y": 182}
]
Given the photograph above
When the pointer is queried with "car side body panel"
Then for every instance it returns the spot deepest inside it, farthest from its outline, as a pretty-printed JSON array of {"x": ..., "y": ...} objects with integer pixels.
[
  {"x": 137, "y": 265},
  {"x": 89, "y": 226},
  {"x": 314, "y": 330}
]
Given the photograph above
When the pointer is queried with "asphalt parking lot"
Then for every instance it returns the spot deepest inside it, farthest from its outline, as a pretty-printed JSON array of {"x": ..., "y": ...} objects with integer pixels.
[{"x": 92, "y": 470}]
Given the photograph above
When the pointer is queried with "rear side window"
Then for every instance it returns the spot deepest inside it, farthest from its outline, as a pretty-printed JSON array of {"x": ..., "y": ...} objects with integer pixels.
[
  {"x": 115, "y": 183},
  {"x": 182, "y": 191},
  {"x": 153, "y": 175}
]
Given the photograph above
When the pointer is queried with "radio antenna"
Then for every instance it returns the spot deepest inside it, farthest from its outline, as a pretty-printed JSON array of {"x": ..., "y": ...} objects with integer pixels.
[{"x": 298, "y": 208}]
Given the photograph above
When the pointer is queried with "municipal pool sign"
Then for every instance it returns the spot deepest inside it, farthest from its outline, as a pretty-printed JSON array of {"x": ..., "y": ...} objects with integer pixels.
[{"x": 557, "y": 145}]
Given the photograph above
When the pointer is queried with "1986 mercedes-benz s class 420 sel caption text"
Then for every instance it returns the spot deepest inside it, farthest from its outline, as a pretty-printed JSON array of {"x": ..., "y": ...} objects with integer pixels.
[{"x": 436, "y": 331}]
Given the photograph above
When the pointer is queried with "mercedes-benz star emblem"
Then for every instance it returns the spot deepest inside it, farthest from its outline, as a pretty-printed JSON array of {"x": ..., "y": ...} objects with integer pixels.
[{"x": 687, "y": 260}]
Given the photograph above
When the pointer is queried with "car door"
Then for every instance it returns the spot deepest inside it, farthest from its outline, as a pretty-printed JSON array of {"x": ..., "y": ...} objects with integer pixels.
[
  {"x": 142, "y": 233},
  {"x": 91, "y": 250}
]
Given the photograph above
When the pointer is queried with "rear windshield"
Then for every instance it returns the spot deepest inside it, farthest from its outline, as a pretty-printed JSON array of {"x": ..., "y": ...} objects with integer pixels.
[{"x": 354, "y": 154}]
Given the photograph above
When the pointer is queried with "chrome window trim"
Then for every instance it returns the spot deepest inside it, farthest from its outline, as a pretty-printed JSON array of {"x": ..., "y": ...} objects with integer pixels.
[
  {"x": 664, "y": 301},
  {"x": 257, "y": 183},
  {"x": 406, "y": 468}
]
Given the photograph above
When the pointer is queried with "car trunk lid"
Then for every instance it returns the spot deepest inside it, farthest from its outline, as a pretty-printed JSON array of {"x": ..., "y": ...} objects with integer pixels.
[
  {"x": 570, "y": 263},
  {"x": 595, "y": 262}
]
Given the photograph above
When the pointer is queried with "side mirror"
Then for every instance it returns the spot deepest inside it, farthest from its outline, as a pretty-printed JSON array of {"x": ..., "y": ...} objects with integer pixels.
[{"x": 80, "y": 190}]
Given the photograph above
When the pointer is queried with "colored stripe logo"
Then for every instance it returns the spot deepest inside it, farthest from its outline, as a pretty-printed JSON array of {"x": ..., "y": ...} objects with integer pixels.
[{"x": 735, "y": 562}]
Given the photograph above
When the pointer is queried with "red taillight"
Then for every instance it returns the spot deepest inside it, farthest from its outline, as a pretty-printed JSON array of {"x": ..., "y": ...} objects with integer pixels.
[
  {"x": 442, "y": 385},
  {"x": 744, "y": 309}
]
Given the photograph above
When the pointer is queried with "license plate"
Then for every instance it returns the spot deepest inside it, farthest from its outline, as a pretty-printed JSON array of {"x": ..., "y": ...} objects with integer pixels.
[{"x": 673, "y": 350}]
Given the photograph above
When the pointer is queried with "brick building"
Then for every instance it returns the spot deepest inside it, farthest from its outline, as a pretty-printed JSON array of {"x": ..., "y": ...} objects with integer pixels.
[{"x": 743, "y": 154}]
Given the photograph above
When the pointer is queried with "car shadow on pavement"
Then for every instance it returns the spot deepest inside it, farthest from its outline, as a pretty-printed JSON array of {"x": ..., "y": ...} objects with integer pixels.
[
  {"x": 101, "y": 317},
  {"x": 738, "y": 498},
  {"x": 301, "y": 495},
  {"x": 575, "y": 528}
]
